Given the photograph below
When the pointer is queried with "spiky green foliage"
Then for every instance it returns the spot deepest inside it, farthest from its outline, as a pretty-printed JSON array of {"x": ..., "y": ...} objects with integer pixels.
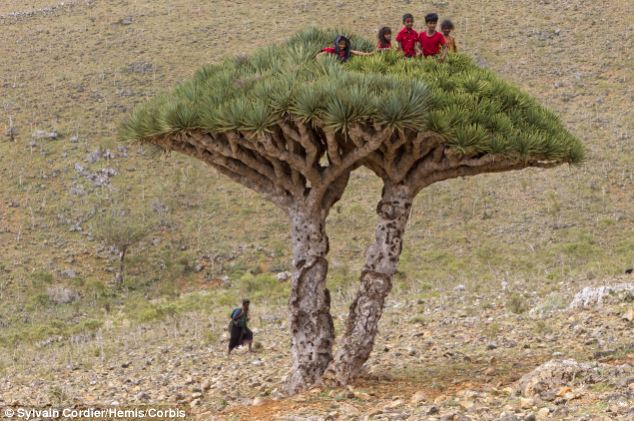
[{"x": 475, "y": 111}]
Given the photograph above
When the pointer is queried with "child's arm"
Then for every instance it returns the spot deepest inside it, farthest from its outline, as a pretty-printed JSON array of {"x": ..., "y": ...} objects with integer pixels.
[
  {"x": 361, "y": 53},
  {"x": 398, "y": 42},
  {"x": 443, "y": 52},
  {"x": 455, "y": 45}
]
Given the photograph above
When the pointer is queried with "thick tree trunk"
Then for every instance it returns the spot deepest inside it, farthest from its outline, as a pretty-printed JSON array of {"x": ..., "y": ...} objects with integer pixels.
[
  {"x": 312, "y": 328},
  {"x": 376, "y": 282}
]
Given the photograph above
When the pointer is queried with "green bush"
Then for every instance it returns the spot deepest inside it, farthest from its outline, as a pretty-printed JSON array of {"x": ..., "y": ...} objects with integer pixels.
[
  {"x": 517, "y": 303},
  {"x": 86, "y": 325},
  {"x": 41, "y": 279},
  {"x": 37, "y": 301},
  {"x": 262, "y": 286}
]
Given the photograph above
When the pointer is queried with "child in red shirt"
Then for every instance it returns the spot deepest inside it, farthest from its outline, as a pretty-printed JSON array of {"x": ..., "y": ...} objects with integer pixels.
[
  {"x": 407, "y": 38},
  {"x": 385, "y": 39},
  {"x": 342, "y": 50},
  {"x": 432, "y": 42}
]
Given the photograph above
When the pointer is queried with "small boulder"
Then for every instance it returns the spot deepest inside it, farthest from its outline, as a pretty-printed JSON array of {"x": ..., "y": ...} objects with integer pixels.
[
  {"x": 283, "y": 276},
  {"x": 590, "y": 297},
  {"x": 41, "y": 134},
  {"x": 418, "y": 397},
  {"x": 552, "y": 377},
  {"x": 59, "y": 294}
]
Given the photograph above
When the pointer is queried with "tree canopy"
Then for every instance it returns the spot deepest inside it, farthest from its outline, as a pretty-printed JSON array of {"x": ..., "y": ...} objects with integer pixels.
[{"x": 473, "y": 110}]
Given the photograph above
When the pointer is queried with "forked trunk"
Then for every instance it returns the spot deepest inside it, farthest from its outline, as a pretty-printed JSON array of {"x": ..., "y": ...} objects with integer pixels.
[
  {"x": 312, "y": 329},
  {"x": 382, "y": 259}
]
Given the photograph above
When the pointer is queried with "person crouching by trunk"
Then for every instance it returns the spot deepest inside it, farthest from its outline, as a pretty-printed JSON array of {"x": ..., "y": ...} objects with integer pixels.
[{"x": 240, "y": 333}]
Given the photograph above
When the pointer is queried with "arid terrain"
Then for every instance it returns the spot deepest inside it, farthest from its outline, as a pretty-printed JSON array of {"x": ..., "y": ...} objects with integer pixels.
[{"x": 485, "y": 293}]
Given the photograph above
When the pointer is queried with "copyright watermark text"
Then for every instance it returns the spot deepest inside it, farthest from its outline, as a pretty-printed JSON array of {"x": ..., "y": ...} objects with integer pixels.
[{"x": 26, "y": 413}]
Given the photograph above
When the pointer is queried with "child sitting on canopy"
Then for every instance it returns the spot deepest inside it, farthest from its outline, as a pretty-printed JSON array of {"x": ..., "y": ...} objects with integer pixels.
[
  {"x": 407, "y": 38},
  {"x": 432, "y": 42},
  {"x": 385, "y": 39},
  {"x": 446, "y": 27},
  {"x": 342, "y": 50}
]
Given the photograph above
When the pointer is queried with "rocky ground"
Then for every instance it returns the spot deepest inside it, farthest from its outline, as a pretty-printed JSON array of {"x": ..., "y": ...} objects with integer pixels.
[{"x": 451, "y": 356}]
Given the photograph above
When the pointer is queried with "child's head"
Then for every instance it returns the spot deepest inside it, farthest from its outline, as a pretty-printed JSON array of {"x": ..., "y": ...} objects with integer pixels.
[
  {"x": 408, "y": 20},
  {"x": 342, "y": 47},
  {"x": 385, "y": 35},
  {"x": 446, "y": 26},
  {"x": 431, "y": 20}
]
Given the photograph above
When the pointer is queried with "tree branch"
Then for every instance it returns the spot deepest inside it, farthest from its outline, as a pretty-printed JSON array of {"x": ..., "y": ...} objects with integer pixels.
[
  {"x": 431, "y": 172},
  {"x": 229, "y": 167}
]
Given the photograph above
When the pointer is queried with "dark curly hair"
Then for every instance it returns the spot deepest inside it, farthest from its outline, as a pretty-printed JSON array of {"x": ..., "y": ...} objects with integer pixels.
[
  {"x": 446, "y": 24},
  {"x": 383, "y": 42}
]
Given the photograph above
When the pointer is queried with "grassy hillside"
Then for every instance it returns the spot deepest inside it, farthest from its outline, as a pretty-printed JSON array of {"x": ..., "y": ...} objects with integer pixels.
[
  {"x": 69, "y": 77},
  {"x": 79, "y": 70}
]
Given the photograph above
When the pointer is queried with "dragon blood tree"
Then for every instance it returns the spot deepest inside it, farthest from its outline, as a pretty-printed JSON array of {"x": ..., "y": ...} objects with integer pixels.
[
  {"x": 474, "y": 123},
  {"x": 292, "y": 128}
]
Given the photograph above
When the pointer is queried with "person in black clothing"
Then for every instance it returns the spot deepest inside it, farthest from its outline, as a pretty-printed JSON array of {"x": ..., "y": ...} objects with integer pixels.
[{"x": 240, "y": 333}]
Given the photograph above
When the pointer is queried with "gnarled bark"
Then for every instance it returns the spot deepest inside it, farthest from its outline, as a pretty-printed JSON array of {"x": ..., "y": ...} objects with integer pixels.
[
  {"x": 382, "y": 258},
  {"x": 312, "y": 329}
]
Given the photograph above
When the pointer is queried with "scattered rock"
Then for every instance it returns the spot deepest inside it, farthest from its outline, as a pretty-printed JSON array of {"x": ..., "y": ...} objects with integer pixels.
[
  {"x": 543, "y": 413},
  {"x": 125, "y": 21},
  {"x": 142, "y": 396},
  {"x": 433, "y": 410},
  {"x": 94, "y": 156},
  {"x": 394, "y": 404},
  {"x": 608, "y": 294},
  {"x": 418, "y": 397},
  {"x": 283, "y": 276},
  {"x": 41, "y": 134},
  {"x": 551, "y": 376},
  {"x": 98, "y": 178},
  {"x": 141, "y": 67},
  {"x": 59, "y": 294},
  {"x": 68, "y": 273}
]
